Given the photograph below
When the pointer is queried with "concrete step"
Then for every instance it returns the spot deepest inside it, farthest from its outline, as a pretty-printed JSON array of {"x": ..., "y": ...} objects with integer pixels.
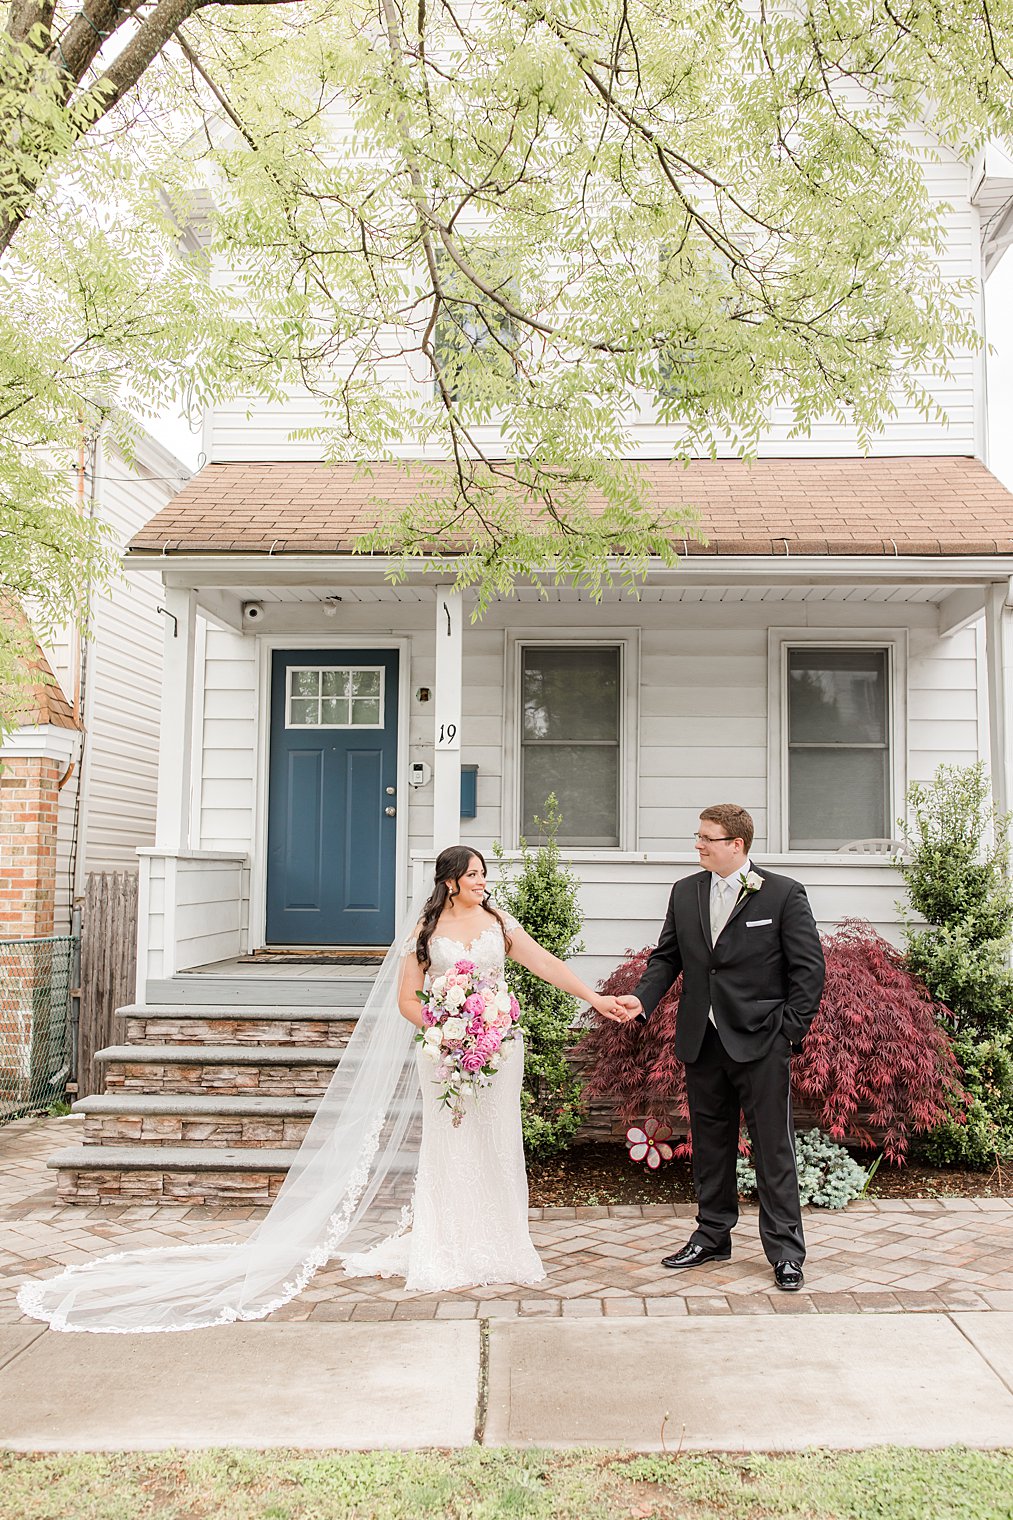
[
  {"x": 118, "y": 1174},
  {"x": 341, "y": 990},
  {"x": 214, "y": 1024},
  {"x": 181, "y": 1120},
  {"x": 251, "y": 1070},
  {"x": 172, "y": 1174}
]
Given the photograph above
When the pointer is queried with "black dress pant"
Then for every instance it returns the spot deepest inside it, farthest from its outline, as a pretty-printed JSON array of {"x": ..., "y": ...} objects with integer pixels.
[{"x": 718, "y": 1089}]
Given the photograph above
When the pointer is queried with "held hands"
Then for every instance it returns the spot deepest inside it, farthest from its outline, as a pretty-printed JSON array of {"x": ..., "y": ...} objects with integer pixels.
[{"x": 619, "y": 1009}]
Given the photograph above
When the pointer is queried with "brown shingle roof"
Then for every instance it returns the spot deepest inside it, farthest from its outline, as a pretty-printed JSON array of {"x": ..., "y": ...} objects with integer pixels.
[
  {"x": 904, "y": 505},
  {"x": 44, "y": 701}
]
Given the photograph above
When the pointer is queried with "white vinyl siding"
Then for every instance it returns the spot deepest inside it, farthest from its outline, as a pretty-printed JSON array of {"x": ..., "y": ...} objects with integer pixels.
[
  {"x": 698, "y": 719},
  {"x": 250, "y": 428}
]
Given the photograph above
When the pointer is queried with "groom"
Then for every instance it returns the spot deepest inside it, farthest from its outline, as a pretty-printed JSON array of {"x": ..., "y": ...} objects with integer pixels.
[{"x": 753, "y": 970}]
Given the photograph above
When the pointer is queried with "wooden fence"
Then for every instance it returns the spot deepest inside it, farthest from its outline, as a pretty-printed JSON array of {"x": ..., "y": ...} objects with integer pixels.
[{"x": 108, "y": 963}]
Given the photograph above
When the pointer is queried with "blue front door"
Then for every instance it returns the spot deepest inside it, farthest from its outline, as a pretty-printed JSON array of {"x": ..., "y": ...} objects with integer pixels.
[{"x": 331, "y": 799}]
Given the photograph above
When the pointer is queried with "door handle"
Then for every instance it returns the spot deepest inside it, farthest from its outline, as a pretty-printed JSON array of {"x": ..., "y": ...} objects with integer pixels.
[
  {"x": 391, "y": 791},
  {"x": 390, "y": 812}
]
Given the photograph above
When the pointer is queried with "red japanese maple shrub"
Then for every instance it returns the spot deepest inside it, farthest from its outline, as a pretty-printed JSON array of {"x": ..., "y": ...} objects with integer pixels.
[
  {"x": 875, "y": 1058},
  {"x": 634, "y": 1065}
]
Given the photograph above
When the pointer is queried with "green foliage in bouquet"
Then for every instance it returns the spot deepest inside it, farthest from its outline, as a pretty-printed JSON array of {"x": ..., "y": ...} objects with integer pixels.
[
  {"x": 957, "y": 873},
  {"x": 827, "y": 1175},
  {"x": 542, "y": 895}
]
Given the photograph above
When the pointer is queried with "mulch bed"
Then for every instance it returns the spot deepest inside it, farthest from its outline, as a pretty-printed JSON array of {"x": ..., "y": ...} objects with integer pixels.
[{"x": 596, "y": 1175}]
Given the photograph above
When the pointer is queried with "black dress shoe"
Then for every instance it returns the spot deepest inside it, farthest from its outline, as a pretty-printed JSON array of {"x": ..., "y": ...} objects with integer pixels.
[
  {"x": 694, "y": 1255},
  {"x": 788, "y": 1275}
]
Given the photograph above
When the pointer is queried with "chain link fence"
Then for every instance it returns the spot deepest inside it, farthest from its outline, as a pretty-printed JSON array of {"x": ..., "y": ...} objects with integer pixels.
[{"x": 36, "y": 1054}]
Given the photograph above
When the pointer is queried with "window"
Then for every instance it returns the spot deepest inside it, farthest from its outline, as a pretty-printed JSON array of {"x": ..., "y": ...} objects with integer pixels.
[
  {"x": 570, "y": 739},
  {"x": 334, "y": 696},
  {"x": 838, "y": 732},
  {"x": 467, "y": 321}
]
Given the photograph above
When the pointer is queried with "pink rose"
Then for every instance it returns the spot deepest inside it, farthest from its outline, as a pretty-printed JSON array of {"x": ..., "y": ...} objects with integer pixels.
[
  {"x": 465, "y": 968},
  {"x": 474, "y": 1006},
  {"x": 515, "y": 1009},
  {"x": 473, "y": 1061},
  {"x": 476, "y": 1027},
  {"x": 429, "y": 1017}
]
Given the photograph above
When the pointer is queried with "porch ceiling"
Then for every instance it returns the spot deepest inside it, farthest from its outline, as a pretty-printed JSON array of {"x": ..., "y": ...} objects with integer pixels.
[
  {"x": 303, "y": 595},
  {"x": 821, "y": 508}
]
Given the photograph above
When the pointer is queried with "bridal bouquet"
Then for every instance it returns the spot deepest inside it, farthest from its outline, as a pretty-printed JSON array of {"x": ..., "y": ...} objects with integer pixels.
[{"x": 467, "y": 1016}]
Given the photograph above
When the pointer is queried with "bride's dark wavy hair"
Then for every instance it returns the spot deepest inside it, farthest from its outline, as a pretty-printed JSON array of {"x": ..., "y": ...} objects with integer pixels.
[{"x": 451, "y": 865}]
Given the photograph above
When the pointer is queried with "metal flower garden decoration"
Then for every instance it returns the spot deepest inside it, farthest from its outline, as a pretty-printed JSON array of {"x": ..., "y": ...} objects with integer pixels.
[{"x": 649, "y": 1143}]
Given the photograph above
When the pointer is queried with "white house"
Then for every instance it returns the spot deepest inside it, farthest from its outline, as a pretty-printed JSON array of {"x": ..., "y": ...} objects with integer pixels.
[{"x": 846, "y": 627}]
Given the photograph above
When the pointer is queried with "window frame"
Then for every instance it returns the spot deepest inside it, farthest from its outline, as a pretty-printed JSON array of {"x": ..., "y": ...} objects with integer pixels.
[
  {"x": 893, "y": 642},
  {"x": 627, "y": 641},
  {"x": 334, "y": 727}
]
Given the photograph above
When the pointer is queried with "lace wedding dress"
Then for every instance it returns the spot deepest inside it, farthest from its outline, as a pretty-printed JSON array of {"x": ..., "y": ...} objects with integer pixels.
[{"x": 470, "y": 1207}]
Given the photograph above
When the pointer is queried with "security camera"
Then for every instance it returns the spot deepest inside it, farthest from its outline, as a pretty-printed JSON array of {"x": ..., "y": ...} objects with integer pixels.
[{"x": 253, "y": 612}]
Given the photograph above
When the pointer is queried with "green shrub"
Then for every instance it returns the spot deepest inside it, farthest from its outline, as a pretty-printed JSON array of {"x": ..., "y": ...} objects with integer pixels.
[
  {"x": 827, "y": 1175},
  {"x": 542, "y": 895},
  {"x": 985, "y": 1136},
  {"x": 957, "y": 873}
]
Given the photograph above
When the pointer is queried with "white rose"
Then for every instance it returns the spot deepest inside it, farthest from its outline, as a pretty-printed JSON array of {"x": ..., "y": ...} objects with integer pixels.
[
  {"x": 433, "y": 1035},
  {"x": 502, "y": 1003},
  {"x": 455, "y": 997},
  {"x": 454, "y": 1029},
  {"x": 438, "y": 985},
  {"x": 431, "y": 1051}
]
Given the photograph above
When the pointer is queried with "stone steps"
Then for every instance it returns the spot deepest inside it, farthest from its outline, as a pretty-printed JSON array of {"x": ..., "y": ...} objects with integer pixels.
[
  {"x": 213, "y": 1024},
  {"x": 214, "y": 1122},
  {"x": 262, "y": 1070},
  {"x": 131, "y": 1174}
]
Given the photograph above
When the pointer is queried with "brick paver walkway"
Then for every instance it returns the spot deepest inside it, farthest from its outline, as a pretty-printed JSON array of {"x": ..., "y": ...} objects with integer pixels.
[{"x": 880, "y": 1256}]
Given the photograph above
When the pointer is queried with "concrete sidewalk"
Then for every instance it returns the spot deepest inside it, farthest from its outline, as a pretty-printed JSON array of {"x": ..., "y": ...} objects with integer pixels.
[
  {"x": 701, "y": 1383},
  {"x": 904, "y": 1334}
]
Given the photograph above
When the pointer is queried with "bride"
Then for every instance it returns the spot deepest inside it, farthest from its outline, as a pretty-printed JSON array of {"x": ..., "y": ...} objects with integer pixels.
[
  {"x": 470, "y": 1210},
  {"x": 383, "y": 1180}
]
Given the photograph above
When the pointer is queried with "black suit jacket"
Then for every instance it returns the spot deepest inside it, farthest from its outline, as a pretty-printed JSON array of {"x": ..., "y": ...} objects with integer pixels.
[{"x": 763, "y": 978}]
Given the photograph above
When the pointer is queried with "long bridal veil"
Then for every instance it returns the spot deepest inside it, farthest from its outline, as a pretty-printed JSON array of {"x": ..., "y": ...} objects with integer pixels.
[{"x": 349, "y": 1187}]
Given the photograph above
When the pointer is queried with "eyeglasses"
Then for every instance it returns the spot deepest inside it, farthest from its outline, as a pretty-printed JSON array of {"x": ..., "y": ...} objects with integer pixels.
[{"x": 714, "y": 838}]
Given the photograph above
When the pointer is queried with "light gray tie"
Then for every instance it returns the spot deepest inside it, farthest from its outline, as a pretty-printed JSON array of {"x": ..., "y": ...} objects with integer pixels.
[{"x": 722, "y": 903}]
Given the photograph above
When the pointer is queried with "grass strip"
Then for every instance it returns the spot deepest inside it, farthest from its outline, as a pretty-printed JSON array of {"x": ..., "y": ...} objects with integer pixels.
[{"x": 479, "y": 1484}]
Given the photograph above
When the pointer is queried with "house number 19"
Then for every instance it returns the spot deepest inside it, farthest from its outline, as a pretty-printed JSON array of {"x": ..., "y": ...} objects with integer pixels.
[{"x": 447, "y": 736}]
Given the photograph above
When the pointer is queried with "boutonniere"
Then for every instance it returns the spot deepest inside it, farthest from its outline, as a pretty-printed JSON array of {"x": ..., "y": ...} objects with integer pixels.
[{"x": 750, "y": 883}]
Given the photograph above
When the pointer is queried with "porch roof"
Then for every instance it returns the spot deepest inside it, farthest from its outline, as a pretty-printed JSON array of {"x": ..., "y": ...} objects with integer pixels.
[{"x": 905, "y": 505}]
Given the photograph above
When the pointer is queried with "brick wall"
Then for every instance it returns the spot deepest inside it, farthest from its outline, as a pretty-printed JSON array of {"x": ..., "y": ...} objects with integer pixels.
[{"x": 29, "y": 804}]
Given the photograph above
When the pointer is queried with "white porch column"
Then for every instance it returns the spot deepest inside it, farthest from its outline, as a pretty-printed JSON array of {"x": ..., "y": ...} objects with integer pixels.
[
  {"x": 447, "y": 760},
  {"x": 999, "y": 657},
  {"x": 175, "y": 749}
]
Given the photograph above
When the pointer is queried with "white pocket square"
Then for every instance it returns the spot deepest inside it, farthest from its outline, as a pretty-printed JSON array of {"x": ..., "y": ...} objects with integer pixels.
[{"x": 758, "y": 923}]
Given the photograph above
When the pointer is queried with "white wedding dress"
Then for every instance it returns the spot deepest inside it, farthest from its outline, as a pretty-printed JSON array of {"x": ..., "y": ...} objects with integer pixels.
[{"x": 470, "y": 1205}]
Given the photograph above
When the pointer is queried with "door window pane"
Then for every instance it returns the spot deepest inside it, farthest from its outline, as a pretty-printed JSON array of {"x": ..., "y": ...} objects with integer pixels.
[
  {"x": 327, "y": 696},
  {"x": 838, "y": 746},
  {"x": 570, "y": 740}
]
